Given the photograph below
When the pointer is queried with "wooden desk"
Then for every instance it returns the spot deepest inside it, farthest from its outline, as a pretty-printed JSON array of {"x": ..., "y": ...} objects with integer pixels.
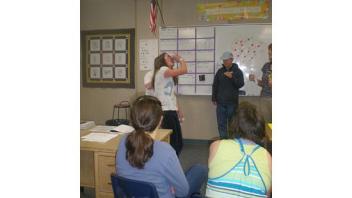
[{"x": 98, "y": 162}]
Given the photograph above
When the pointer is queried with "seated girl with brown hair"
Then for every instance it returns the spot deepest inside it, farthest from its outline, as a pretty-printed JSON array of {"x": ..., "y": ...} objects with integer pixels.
[
  {"x": 239, "y": 166},
  {"x": 139, "y": 157}
]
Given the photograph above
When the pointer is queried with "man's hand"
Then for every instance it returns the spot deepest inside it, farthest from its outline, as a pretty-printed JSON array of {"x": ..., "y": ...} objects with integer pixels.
[
  {"x": 251, "y": 77},
  {"x": 228, "y": 74}
]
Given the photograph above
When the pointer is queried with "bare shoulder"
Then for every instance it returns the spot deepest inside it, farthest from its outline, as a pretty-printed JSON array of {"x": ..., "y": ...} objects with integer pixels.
[
  {"x": 213, "y": 149},
  {"x": 214, "y": 145}
]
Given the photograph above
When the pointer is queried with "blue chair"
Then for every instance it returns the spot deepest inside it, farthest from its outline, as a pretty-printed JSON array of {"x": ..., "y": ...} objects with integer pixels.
[{"x": 124, "y": 187}]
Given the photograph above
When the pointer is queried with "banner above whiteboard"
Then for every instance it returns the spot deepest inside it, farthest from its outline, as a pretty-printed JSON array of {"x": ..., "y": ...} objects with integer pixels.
[{"x": 234, "y": 10}]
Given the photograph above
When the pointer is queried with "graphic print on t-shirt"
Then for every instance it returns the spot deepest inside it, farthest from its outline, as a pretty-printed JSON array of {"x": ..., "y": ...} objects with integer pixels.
[{"x": 168, "y": 88}]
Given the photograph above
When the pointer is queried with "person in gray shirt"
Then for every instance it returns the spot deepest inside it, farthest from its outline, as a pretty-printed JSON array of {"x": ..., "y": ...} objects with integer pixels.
[
  {"x": 266, "y": 81},
  {"x": 139, "y": 157}
]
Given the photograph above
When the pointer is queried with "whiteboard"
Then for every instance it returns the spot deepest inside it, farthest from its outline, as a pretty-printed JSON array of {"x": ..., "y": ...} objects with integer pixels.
[
  {"x": 249, "y": 45},
  {"x": 202, "y": 47}
]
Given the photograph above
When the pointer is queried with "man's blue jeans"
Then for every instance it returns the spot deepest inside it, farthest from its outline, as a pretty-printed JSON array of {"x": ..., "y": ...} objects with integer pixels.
[
  {"x": 224, "y": 114},
  {"x": 196, "y": 177}
]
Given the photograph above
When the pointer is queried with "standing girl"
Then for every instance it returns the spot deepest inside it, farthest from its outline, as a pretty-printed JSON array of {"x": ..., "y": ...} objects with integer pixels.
[{"x": 163, "y": 82}]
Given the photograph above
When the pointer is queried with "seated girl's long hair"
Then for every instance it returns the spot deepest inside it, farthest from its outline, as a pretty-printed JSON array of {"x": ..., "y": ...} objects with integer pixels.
[
  {"x": 146, "y": 114},
  {"x": 248, "y": 123}
]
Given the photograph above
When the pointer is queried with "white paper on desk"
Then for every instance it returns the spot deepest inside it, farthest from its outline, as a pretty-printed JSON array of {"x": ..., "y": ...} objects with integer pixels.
[
  {"x": 87, "y": 124},
  {"x": 98, "y": 137},
  {"x": 124, "y": 128},
  {"x": 100, "y": 128}
]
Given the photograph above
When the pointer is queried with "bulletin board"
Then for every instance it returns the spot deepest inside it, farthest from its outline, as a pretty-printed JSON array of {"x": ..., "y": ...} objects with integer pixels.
[
  {"x": 202, "y": 47},
  {"x": 108, "y": 58}
]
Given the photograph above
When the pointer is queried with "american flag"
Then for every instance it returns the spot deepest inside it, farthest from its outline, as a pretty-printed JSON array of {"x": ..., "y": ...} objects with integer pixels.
[{"x": 152, "y": 16}]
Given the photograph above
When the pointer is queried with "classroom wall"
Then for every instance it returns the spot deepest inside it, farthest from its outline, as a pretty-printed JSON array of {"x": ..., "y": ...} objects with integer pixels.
[{"x": 96, "y": 103}]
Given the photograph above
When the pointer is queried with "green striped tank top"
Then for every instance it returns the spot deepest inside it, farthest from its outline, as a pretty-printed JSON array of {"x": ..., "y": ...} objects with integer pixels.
[{"x": 248, "y": 175}]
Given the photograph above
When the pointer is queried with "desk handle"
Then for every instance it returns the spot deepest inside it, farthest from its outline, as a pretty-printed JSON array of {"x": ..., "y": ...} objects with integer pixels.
[
  {"x": 111, "y": 165},
  {"x": 109, "y": 183}
]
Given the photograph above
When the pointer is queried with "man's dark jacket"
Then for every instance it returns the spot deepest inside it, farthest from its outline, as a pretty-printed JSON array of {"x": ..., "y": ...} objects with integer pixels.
[{"x": 225, "y": 90}]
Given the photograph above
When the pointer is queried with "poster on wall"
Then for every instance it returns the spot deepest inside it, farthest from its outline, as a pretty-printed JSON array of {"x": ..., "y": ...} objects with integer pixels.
[
  {"x": 148, "y": 50},
  {"x": 108, "y": 58}
]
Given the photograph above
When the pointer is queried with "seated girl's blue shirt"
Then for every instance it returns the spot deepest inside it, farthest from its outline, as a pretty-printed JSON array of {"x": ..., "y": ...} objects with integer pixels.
[{"x": 163, "y": 169}]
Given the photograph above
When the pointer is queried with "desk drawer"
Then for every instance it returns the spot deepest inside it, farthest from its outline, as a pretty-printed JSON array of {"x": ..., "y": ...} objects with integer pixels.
[
  {"x": 105, "y": 166},
  {"x": 105, "y": 195}
]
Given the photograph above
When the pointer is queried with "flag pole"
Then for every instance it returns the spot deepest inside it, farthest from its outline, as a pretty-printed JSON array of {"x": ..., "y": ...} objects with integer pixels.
[{"x": 161, "y": 13}]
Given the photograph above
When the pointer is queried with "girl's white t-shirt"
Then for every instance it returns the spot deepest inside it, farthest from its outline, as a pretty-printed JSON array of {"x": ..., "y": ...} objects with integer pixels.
[
  {"x": 148, "y": 79},
  {"x": 164, "y": 90}
]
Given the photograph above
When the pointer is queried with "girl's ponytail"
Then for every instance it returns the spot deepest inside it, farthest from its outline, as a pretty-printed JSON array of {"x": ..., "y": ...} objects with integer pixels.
[{"x": 146, "y": 114}]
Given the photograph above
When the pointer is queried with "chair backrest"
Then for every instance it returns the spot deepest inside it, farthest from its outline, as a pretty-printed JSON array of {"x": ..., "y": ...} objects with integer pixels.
[{"x": 124, "y": 187}]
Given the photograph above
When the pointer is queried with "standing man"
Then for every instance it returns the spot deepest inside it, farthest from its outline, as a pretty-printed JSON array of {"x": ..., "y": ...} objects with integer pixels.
[
  {"x": 227, "y": 81},
  {"x": 266, "y": 84}
]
